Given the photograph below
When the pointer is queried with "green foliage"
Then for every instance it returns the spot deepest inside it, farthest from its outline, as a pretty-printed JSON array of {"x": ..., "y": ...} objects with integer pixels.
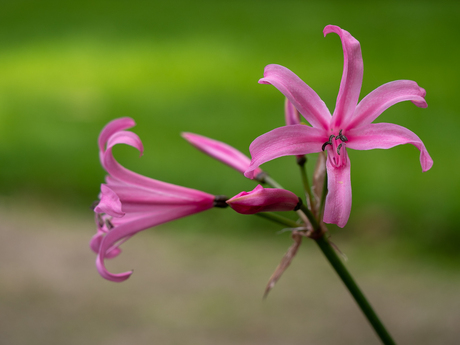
[{"x": 67, "y": 69}]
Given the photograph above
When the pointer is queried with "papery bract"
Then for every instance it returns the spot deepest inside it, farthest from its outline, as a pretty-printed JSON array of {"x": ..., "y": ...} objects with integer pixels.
[
  {"x": 221, "y": 151},
  {"x": 130, "y": 203},
  {"x": 349, "y": 126},
  {"x": 264, "y": 200}
]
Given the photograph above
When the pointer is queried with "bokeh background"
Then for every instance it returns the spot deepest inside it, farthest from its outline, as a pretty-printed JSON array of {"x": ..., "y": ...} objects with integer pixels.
[{"x": 66, "y": 69}]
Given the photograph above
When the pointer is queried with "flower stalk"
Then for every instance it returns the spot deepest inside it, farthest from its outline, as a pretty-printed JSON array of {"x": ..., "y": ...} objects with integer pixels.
[
  {"x": 301, "y": 162},
  {"x": 331, "y": 255},
  {"x": 354, "y": 289}
]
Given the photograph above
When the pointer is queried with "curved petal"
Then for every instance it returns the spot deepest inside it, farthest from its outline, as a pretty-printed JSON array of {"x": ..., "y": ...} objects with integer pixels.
[
  {"x": 352, "y": 77},
  {"x": 133, "y": 195},
  {"x": 130, "y": 228},
  {"x": 120, "y": 137},
  {"x": 302, "y": 96},
  {"x": 220, "y": 151},
  {"x": 383, "y": 97},
  {"x": 285, "y": 141},
  {"x": 95, "y": 244},
  {"x": 111, "y": 128},
  {"x": 385, "y": 136},
  {"x": 110, "y": 203},
  {"x": 338, "y": 200},
  {"x": 121, "y": 174}
]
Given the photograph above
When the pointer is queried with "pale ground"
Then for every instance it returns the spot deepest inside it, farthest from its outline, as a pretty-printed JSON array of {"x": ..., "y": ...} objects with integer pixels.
[{"x": 192, "y": 289}]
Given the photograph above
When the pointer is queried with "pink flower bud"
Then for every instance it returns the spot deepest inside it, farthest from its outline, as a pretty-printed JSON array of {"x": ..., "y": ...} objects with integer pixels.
[{"x": 264, "y": 200}]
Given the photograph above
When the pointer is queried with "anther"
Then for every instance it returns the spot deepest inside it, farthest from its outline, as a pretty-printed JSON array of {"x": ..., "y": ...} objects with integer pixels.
[
  {"x": 100, "y": 221},
  {"x": 342, "y": 137},
  {"x": 338, "y": 149},
  {"x": 94, "y": 204},
  {"x": 109, "y": 224},
  {"x": 329, "y": 142}
]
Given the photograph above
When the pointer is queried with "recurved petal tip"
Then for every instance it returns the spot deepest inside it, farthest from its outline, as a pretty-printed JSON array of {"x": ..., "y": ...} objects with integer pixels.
[
  {"x": 425, "y": 160},
  {"x": 117, "y": 278},
  {"x": 331, "y": 28},
  {"x": 113, "y": 127},
  {"x": 264, "y": 81}
]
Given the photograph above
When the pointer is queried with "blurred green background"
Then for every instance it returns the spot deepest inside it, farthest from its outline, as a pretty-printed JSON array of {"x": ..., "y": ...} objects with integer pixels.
[{"x": 66, "y": 69}]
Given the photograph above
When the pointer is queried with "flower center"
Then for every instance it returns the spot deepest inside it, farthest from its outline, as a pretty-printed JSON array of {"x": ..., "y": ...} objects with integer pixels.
[{"x": 337, "y": 143}]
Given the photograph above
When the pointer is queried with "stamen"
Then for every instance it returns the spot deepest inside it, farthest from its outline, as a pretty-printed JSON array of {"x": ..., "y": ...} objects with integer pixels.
[
  {"x": 342, "y": 137},
  {"x": 329, "y": 142},
  {"x": 109, "y": 224},
  {"x": 94, "y": 204},
  {"x": 100, "y": 221},
  {"x": 338, "y": 149}
]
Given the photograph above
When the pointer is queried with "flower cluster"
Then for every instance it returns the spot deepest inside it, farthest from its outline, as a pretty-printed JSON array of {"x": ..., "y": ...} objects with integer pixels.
[{"x": 130, "y": 203}]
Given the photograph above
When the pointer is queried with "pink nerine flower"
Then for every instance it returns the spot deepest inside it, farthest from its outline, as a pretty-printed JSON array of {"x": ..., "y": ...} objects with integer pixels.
[
  {"x": 350, "y": 125},
  {"x": 221, "y": 151},
  {"x": 130, "y": 202},
  {"x": 262, "y": 199}
]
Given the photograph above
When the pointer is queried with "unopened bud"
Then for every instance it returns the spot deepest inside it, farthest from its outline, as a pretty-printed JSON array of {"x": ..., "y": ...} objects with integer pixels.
[{"x": 264, "y": 200}]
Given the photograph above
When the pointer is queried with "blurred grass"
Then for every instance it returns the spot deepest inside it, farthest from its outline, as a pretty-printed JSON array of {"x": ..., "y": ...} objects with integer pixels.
[{"x": 67, "y": 69}]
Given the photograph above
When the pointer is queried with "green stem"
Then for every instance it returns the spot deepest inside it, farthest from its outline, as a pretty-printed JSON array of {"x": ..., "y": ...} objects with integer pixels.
[
  {"x": 311, "y": 217},
  {"x": 271, "y": 182},
  {"x": 359, "y": 297},
  {"x": 301, "y": 162},
  {"x": 343, "y": 273},
  {"x": 278, "y": 219}
]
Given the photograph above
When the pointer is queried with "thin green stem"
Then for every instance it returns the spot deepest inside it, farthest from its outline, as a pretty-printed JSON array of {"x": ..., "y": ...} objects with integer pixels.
[
  {"x": 346, "y": 277},
  {"x": 301, "y": 162},
  {"x": 359, "y": 297},
  {"x": 271, "y": 182},
  {"x": 278, "y": 219},
  {"x": 310, "y": 217}
]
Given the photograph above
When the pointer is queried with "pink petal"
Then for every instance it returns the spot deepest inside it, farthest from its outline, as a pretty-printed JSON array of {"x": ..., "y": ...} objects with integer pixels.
[
  {"x": 338, "y": 201},
  {"x": 130, "y": 228},
  {"x": 383, "y": 97},
  {"x": 220, "y": 151},
  {"x": 95, "y": 244},
  {"x": 385, "y": 136},
  {"x": 122, "y": 175},
  {"x": 285, "y": 141},
  {"x": 352, "y": 77},
  {"x": 291, "y": 114},
  {"x": 113, "y": 127},
  {"x": 110, "y": 203},
  {"x": 299, "y": 94},
  {"x": 264, "y": 200}
]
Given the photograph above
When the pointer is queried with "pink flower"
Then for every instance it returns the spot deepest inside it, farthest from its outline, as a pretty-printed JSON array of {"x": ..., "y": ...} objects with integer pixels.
[
  {"x": 130, "y": 203},
  {"x": 349, "y": 126},
  {"x": 264, "y": 200},
  {"x": 221, "y": 151}
]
